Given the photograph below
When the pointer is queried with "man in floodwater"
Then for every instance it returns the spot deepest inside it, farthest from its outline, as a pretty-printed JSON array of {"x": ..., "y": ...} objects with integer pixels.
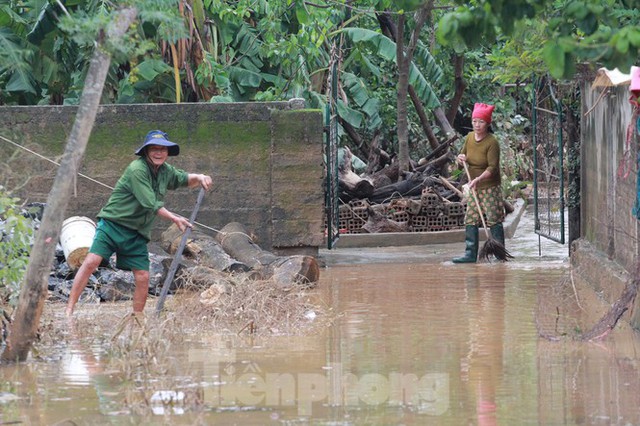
[{"x": 125, "y": 222}]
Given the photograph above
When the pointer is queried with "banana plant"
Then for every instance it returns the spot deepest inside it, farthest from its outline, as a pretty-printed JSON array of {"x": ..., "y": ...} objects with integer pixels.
[
  {"x": 17, "y": 55},
  {"x": 385, "y": 48}
]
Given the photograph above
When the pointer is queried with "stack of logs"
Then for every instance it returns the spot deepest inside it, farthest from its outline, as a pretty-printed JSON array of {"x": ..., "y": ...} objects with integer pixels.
[{"x": 233, "y": 250}]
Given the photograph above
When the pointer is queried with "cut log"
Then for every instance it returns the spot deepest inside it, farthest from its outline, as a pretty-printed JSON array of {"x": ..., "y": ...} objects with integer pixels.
[
  {"x": 235, "y": 240},
  {"x": 379, "y": 180},
  {"x": 302, "y": 270},
  {"x": 391, "y": 172},
  {"x": 203, "y": 249},
  {"x": 407, "y": 188},
  {"x": 232, "y": 250},
  {"x": 349, "y": 181},
  {"x": 355, "y": 185}
]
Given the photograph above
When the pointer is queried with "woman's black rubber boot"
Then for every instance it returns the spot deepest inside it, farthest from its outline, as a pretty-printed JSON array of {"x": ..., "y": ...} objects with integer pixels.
[
  {"x": 471, "y": 250},
  {"x": 497, "y": 231}
]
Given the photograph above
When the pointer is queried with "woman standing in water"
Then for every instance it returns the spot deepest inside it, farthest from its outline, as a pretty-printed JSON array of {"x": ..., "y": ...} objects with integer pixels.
[{"x": 481, "y": 152}]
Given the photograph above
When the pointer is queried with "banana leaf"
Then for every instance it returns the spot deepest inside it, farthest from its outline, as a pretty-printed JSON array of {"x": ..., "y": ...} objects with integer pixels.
[{"x": 384, "y": 47}]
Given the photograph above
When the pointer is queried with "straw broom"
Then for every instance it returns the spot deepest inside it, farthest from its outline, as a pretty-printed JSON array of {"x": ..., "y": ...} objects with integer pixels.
[{"x": 491, "y": 246}]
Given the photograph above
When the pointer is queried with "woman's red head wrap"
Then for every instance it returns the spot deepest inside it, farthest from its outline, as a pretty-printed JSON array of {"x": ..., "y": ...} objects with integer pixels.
[{"x": 483, "y": 112}]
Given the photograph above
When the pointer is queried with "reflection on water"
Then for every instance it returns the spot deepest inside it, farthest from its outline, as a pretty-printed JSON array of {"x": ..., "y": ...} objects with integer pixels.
[
  {"x": 417, "y": 343},
  {"x": 77, "y": 366}
]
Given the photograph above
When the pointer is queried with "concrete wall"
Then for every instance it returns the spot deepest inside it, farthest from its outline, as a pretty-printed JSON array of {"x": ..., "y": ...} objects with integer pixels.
[
  {"x": 608, "y": 196},
  {"x": 606, "y": 254},
  {"x": 265, "y": 160}
]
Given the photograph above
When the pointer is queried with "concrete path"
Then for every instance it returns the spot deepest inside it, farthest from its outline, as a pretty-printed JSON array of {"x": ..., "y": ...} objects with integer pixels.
[{"x": 522, "y": 242}]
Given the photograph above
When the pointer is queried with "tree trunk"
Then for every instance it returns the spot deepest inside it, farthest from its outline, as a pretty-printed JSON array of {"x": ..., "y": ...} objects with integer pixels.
[
  {"x": 355, "y": 137},
  {"x": 444, "y": 123},
  {"x": 377, "y": 158},
  {"x": 424, "y": 121},
  {"x": 32, "y": 296},
  {"x": 394, "y": 32},
  {"x": 460, "y": 86},
  {"x": 404, "y": 57},
  {"x": 403, "y": 62}
]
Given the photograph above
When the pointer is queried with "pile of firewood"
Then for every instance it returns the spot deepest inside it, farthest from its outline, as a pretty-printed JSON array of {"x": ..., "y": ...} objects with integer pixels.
[
  {"x": 427, "y": 213},
  {"x": 423, "y": 201}
]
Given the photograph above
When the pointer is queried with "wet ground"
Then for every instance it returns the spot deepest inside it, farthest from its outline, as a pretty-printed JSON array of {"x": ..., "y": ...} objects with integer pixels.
[{"x": 415, "y": 340}]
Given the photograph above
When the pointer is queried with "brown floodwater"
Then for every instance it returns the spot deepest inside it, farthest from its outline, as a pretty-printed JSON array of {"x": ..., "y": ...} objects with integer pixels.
[{"x": 415, "y": 340}]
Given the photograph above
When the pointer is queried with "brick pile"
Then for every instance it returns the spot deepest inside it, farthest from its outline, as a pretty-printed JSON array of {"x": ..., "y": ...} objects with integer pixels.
[{"x": 429, "y": 213}]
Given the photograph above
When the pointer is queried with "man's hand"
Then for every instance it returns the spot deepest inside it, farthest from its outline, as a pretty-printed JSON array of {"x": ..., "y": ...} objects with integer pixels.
[
  {"x": 181, "y": 222},
  {"x": 204, "y": 181}
]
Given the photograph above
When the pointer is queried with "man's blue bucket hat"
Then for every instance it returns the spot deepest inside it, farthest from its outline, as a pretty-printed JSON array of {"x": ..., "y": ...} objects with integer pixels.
[{"x": 158, "y": 137}]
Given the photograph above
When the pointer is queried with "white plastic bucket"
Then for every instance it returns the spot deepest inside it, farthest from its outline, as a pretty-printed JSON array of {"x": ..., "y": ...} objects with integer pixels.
[{"x": 76, "y": 237}]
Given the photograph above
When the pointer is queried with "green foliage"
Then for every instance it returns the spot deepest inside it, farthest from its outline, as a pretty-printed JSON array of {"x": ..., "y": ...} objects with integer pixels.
[
  {"x": 263, "y": 50},
  {"x": 516, "y": 148},
  {"x": 86, "y": 26},
  {"x": 46, "y": 48},
  {"x": 575, "y": 30},
  {"x": 520, "y": 57},
  {"x": 386, "y": 48},
  {"x": 211, "y": 72},
  {"x": 16, "y": 238}
]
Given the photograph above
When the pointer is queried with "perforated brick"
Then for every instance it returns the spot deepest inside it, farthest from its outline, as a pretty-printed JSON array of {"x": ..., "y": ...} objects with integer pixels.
[
  {"x": 361, "y": 213},
  {"x": 355, "y": 225},
  {"x": 429, "y": 199},
  {"x": 358, "y": 203},
  {"x": 345, "y": 212},
  {"x": 419, "y": 221},
  {"x": 431, "y": 212},
  {"x": 454, "y": 209},
  {"x": 449, "y": 222},
  {"x": 434, "y": 221},
  {"x": 400, "y": 216}
]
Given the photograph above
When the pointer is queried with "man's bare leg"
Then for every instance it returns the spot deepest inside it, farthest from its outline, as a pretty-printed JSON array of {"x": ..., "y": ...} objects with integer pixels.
[
  {"x": 88, "y": 267},
  {"x": 141, "y": 291}
]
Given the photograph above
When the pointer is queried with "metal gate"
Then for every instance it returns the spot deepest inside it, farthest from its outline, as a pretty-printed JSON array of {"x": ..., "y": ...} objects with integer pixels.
[
  {"x": 548, "y": 161},
  {"x": 332, "y": 195}
]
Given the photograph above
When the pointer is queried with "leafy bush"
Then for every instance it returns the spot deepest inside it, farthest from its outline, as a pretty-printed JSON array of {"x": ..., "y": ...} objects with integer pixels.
[{"x": 16, "y": 238}]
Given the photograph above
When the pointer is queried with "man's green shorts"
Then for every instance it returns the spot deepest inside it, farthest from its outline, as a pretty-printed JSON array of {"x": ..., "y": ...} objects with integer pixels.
[{"x": 129, "y": 246}]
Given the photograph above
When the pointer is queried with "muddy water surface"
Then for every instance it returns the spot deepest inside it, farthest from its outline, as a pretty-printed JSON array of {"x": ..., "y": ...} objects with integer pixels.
[{"x": 417, "y": 342}]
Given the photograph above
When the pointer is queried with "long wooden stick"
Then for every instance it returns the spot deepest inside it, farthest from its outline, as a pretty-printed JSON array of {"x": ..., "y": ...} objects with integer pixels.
[
  {"x": 449, "y": 185},
  {"x": 176, "y": 259},
  {"x": 475, "y": 198}
]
